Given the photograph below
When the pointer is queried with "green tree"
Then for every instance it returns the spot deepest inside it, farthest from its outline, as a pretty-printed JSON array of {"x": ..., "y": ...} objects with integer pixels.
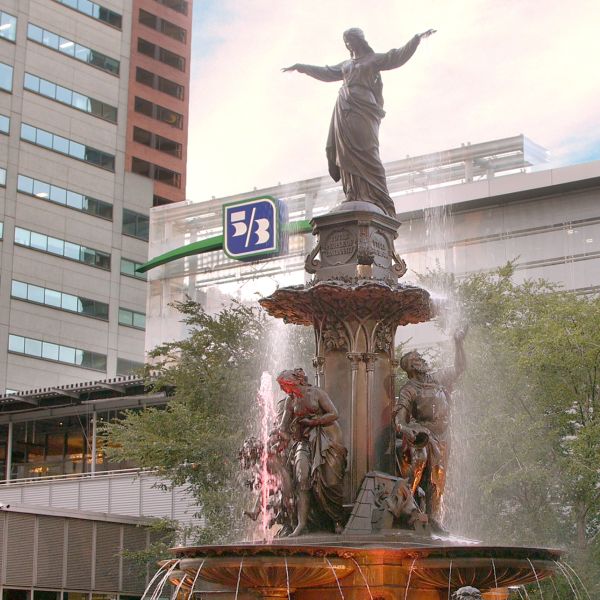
[
  {"x": 194, "y": 441},
  {"x": 530, "y": 414}
]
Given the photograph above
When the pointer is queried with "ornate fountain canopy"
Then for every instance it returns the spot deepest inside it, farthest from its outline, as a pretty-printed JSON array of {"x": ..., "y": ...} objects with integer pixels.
[{"x": 398, "y": 304}]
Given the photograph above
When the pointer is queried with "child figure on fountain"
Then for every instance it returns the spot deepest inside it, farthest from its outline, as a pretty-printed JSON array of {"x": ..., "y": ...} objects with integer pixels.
[{"x": 318, "y": 457}]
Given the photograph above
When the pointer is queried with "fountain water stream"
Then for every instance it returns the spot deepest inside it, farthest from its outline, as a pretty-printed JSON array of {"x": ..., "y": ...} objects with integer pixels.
[{"x": 574, "y": 572}]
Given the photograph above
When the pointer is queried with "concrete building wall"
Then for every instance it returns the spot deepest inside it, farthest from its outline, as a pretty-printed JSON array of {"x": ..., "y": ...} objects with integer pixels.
[{"x": 122, "y": 345}]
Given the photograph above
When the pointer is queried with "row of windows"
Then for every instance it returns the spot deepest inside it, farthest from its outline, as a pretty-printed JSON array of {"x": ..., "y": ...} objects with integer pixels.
[
  {"x": 31, "y": 239},
  {"x": 162, "y": 25},
  {"x": 132, "y": 318},
  {"x": 91, "y": 9},
  {"x": 60, "y": 195},
  {"x": 6, "y": 76},
  {"x": 56, "y": 299},
  {"x": 52, "y": 141},
  {"x": 52, "y": 245},
  {"x": 160, "y": 113},
  {"x": 4, "y": 124},
  {"x": 70, "y": 97},
  {"x": 136, "y": 224},
  {"x": 165, "y": 56},
  {"x": 128, "y": 367},
  {"x": 158, "y": 142},
  {"x": 128, "y": 267},
  {"x": 8, "y": 26},
  {"x": 56, "y": 352},
  {"x": 143, "y": 167},
  {"x": 71, "y": 48},
  {"x": 159, "y": 83},
  {"x": 180, "y": 6}
]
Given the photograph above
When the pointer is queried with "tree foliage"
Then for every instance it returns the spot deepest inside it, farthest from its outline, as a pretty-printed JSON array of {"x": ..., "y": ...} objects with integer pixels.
[
  {"x": 530, "y": 418},
  {"x": 194, "y": 441}
]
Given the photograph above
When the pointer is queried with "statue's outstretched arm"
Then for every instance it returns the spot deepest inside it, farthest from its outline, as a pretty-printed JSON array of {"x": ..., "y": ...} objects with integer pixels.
[
  {"x": 321, "y": 73},
  {"x": 398, "y": 56}
]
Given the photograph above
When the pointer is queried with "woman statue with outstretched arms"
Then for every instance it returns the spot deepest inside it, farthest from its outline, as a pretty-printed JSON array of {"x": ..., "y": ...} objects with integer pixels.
[{"x": 353, "y": 140}]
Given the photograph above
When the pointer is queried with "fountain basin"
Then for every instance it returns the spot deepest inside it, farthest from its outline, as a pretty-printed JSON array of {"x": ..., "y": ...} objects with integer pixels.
[{"x": 377, "y": 567}]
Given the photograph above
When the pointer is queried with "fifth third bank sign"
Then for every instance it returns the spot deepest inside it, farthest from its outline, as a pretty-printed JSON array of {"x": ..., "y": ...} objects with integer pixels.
[{"x": 251, "y": 228}]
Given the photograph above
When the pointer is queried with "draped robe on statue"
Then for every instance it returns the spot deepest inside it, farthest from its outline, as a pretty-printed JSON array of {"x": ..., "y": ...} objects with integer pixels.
[{"x": 353, "y": 140}]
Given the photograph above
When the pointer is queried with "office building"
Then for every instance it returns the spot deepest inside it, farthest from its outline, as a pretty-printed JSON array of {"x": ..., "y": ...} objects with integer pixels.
[
  {"x": 466, "y": 209},
  {"x": 93, "y": 125}
]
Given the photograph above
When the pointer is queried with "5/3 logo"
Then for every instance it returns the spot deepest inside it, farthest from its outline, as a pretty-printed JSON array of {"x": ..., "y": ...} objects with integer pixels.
[{"x": 251, "y": 227}]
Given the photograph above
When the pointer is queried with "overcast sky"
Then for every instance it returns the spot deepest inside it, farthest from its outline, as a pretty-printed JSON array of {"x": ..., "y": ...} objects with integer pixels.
[{"x": 495, "y": 68}]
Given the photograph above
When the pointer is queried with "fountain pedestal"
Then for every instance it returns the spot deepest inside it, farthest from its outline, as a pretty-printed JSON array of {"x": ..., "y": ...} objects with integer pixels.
[{"x": 355, "y": 305}]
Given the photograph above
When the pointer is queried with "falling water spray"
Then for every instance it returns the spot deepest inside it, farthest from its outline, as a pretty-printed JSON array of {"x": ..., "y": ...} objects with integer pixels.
[{"x": 265, "y": 399}]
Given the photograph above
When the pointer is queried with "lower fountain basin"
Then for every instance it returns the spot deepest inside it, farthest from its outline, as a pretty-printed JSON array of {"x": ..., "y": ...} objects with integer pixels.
[{"x": 381, "y": 566}]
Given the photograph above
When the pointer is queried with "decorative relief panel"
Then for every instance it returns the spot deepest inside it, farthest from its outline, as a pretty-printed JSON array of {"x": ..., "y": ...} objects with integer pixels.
[
  {"x": 339, "y": 247},
  {"x": 335, "y": 336},
  {"x": 384, "y": 337}
]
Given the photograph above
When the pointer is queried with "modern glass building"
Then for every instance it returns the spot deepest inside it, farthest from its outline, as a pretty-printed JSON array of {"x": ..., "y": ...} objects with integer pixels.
[{"x": 93, "y": 123}]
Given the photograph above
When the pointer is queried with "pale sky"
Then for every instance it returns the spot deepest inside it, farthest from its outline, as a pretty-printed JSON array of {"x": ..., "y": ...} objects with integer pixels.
[{"x": 495, "y": 68}]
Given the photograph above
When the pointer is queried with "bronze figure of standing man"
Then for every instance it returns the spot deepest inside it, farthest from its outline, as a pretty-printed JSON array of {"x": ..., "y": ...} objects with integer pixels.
[{"x": 353, "y": 140}]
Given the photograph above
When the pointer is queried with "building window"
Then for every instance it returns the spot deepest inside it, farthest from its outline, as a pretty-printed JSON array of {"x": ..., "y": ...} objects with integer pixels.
[
  {"x": 128, "y": 367},
  {"x": 128, "y": 267},
  {"x": 68, "y": 198},
  {"x": 72, "y": 49},
  {"x": 162, "y": 25},
  {"x": 165, "y": 56},
  {"x": 8, "y": 26},
  {"x": 47, "y": 594},
  {"x": 91, "y": 9},
  {"x": 6, "y": 76},
  {"x": 70, "y": 97},
  {"x": 158, "y": 142},
  {"x": 159, "y": 83},
  {"x": 160, "y": 113},
  {"x": 13, "y": 594},
  {"x": 60, "y": 300},
  {"x": 58, "y": 247},
  {"x": 160, "y": 201},
  {"x": 131, "y": 318},
  {"x": 142, "y": 167},
  {"x": 46, "y": 139},
  {"x": 4, "y": 124},
  {"x": 135, "y": 224},
  {"x": 181, "y": 6},
  {"x": 56, "y": 352},
  {"x": 1, "y": 230},
  {"x": 2, "y": 177}
]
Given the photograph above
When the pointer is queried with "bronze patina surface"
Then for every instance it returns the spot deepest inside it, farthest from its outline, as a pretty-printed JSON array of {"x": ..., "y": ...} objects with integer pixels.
[{"x": 399, "y": 304}]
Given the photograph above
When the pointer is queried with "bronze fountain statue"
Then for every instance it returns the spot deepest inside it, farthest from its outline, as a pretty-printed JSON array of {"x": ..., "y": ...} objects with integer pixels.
[
  {"x": 358, "y": 466},
  {"x": 353, "y": 140},
  {"x": 421, "y": 418}
]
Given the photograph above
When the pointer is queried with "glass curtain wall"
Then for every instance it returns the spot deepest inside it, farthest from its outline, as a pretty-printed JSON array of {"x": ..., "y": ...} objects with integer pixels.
[{"x": 58, "y": 446}]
